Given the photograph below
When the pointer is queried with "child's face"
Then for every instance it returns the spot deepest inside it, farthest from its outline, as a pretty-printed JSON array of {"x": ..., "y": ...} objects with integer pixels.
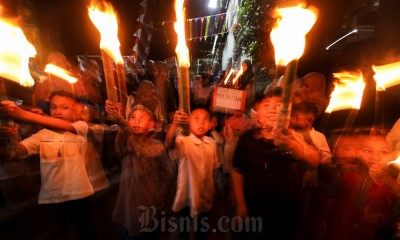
[
  {"x": 199, "y": 122},
  {"x": 267, "y": 111},
  {"x": 140, "y": 122},
  {"x": 301, "y": 120},
  {"x": 63, "y": 107},
  {"x": 374, "y": 150}
]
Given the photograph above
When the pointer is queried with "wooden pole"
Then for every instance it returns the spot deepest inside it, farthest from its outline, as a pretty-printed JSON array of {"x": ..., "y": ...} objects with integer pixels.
[
  {"x": 123, "y": 92},
  {"x": 109, "y": 77},
  {"x": 184, "y": 94},
  {"x": 287, "y": 94}
]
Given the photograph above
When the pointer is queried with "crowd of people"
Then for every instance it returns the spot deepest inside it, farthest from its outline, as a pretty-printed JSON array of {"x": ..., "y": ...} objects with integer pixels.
[{"x": 291, "y": 183}]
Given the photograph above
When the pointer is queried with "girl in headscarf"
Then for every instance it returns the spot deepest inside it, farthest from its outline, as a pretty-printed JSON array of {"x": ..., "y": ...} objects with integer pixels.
[{"x": 246, "y": 82}]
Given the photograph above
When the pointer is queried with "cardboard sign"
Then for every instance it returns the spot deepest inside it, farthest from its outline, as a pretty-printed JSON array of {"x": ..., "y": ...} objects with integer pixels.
[{"x": 226, "y": 100}]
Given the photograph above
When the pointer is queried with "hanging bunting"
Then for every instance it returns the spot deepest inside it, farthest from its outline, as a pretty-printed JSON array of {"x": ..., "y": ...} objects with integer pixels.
[
  {"x": 211, "y": 30},
  {"x": 196, "y": 28},
  {"x": 216, "y": 21},
  {"x": 220, "y": 24},
  {"x": 201, "y": 28},
  {"x": 207, "y": 27}
]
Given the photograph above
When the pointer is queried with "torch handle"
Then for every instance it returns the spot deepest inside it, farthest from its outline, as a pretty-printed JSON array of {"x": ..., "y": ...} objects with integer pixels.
[
  {"x": 184, "y": 95},
  {"x": 123, "y": 92},
  {"x": 287, "y": 95},
  {"x": 109, "y": 77},
  {"x": 379, "y": 117}
]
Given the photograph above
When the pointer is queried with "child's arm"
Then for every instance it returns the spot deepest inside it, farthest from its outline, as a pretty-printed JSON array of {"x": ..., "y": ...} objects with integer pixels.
[
  {"x": 238, "y": 191},
  {"x": 299, "y": 148},
  {"x": 116, "y": 111},
  {"x": 11, "y": 110},
  {"x": 180, "y": 117},
  {"x": 7, "y": 134}
]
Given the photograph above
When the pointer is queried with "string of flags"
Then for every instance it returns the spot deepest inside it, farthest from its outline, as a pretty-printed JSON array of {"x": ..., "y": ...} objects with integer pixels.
[
  {"x": 201, "y": 28},
  {"x": 209, "y": 26}
]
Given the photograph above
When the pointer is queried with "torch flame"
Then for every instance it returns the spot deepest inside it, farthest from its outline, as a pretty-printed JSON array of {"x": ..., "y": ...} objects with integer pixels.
[
  {"x": 386, "y": 75},
  {"x": 348, "y": 91},
  {"x": 228, "y": 76},
  {"x": 288, "y": 36},
  {"x": 15, "y": 51},
  {"x": 238, "y": 74},
  {"x": 181, "y": 49},
  {"x": 105, "y": 20},
  {"x": 60, "y": 72}
]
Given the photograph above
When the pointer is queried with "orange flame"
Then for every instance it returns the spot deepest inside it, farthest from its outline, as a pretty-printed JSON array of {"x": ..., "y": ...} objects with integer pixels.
[
  {"x": 60, "y": 72},
  {"x": 348, "y": 91},
  {"x": 228, "y": 76},
  {"x": 386, "y": 75},
  {"x": 238, "y": 74},
  {"x": 288, "y": 36},
  {"x": 105, "y": 20},
  {"x": 181, "y": 49},
  {"x": 15, "y": 51}
]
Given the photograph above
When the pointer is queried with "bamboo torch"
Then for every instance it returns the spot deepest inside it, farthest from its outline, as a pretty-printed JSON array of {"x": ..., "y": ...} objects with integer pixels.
[
  {"x": 385, "y": 76},
  {"x": 182, "y": 53},
  {"x": 288, "y": 38},
  {"x": 104, "y": 18}
]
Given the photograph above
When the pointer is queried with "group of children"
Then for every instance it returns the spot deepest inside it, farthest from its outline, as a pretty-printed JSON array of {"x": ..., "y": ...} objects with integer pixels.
[{"x": 274, "y": 173}]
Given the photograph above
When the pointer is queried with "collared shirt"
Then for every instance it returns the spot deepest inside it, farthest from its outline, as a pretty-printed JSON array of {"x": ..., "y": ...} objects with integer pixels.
[
  {"x": 62, "y": 165},
  {"x": 195, "y": 186}
]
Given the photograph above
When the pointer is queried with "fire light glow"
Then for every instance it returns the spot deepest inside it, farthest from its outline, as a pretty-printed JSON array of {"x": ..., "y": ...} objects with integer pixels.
[
  {"x": 288, "y": 36},
  {"x": 60, "y": 72},
  {"x": 181, "y": 49},
  {"x": 15, "y": 51},
  {"x": 228, "y": 76},
  {"x": 104, "y": 18},
  {"x": 238, "y": 74},
  {"x": 348, "y": 91},
  {"x": 386, "y": 75}
]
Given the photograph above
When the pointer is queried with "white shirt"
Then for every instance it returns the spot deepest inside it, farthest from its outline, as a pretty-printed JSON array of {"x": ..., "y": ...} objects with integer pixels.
[
  {"x": 62, "y": 167},
  {"x": 319, "y": 141},
  {"x": 195, "y": 186}
]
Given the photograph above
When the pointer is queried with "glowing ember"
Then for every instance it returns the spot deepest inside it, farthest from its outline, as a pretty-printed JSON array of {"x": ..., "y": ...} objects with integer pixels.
[
  {"x": 104, "y": 18},
  {"x": 238, "y": 74},
  {"x": 348, "y": 91},
  {"x": 181, "y": 49},
  {"x": 228, "y": 76},
  {"x": 15, "y": 51},
  {"x": 387, "y": 75},
  {"x": 60, "y": 72},
  {"x": 288, "y": 36}
]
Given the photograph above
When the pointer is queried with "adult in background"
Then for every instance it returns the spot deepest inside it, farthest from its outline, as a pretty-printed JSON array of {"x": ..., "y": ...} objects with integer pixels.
[
  {"x": 165, "y": 89},
  {"x": 246, "y": 82}
]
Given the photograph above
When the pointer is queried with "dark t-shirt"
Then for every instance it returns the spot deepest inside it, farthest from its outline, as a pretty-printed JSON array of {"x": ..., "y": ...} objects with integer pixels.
[{"x": 272, "y": 178}]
